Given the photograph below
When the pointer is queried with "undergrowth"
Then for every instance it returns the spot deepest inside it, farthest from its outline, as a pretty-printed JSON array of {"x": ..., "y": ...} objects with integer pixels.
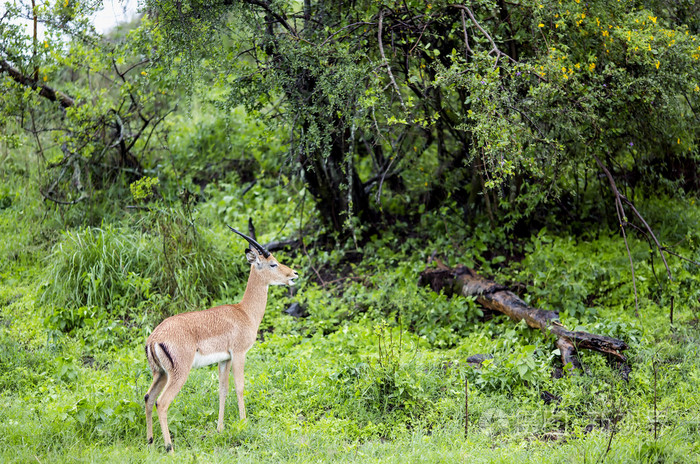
[{"x": 378, "y": 369}]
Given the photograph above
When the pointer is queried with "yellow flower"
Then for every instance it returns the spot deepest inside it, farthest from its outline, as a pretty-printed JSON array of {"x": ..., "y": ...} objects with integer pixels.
[
  {"x": 697, "y": 88},
  {"x": 605, "y": 33},
  {"x": 143, "y": 73},
  {"x": 45, "y": 78},
  {"x": 46, "y": 44},
  {"x": 653, "y": 19},
  {"x": 540, "y": 25},
  {"x": 658, "y": 63},
  {"x": 678, "y": 141},
  {"x": 591, "y": 67}
]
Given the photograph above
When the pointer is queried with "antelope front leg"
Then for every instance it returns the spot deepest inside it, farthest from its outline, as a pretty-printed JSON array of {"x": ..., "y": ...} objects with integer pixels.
[
  {"x": 238, "y": 360},
  {"x": 224, "y": 369}
]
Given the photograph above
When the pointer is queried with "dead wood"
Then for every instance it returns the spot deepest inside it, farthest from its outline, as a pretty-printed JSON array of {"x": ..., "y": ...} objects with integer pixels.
[{"x": 467, "y": 282}]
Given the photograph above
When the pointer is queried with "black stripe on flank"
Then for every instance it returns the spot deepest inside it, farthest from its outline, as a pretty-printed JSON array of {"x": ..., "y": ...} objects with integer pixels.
[{"x": 165, "y": 350}]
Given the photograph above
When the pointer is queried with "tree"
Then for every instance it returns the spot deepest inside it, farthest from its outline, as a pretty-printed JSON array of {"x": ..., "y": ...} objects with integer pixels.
[
  {"x": 499, "y": 106},
  {"x": 487, "y": 108},
  {"x": 86, "y": 101}
]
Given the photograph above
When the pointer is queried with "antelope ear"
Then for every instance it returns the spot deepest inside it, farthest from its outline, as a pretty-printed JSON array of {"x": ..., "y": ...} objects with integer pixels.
[{"x": 252, "y": 256}]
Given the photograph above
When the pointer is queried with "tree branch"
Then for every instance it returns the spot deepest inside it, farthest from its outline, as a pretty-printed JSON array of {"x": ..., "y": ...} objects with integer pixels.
[
  {"x": 265, "y": 5},
  {"x": 622, "y": 219},
  {"x": 44, "y": 90},
  {"x": 494, "y": 47},
  {"x": 385, "y": 61}
]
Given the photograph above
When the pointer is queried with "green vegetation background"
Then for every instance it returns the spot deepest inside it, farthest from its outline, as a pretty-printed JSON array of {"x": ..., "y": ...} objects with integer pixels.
[{"x": 379, "y": 368}]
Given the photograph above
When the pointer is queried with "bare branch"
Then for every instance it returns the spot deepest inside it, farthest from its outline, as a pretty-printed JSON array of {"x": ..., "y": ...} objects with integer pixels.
[
  {"x": 494, "y": 47},
  {"x": 82, "y": 197},
  {"x": 265, "y": 5},
  {"x": 622, "y": 219},
  {"x": 353, "y": 25},
  {"x": 385, "y": 61},
  {"x": 466, "y": 36},
  {"x": 651, "y": 232}
]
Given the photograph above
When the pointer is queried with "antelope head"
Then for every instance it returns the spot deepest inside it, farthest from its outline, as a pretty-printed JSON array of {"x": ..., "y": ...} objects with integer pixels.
[{"x": 266, "y": 265}]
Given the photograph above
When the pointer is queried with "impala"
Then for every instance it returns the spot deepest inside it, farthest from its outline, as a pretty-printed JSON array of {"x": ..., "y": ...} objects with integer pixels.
[{"x": 222, "y": 335}]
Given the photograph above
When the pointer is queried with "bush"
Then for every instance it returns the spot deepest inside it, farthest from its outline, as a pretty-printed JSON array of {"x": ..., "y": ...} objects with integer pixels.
[{"x": 122, "y": 270}]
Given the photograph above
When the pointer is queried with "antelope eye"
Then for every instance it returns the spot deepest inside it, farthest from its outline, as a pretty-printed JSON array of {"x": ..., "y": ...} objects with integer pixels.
[{"x": 273, "y": 265}]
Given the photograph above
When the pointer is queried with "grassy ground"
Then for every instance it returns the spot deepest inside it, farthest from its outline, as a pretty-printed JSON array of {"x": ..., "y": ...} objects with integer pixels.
[{"x": 375, "y": 373}]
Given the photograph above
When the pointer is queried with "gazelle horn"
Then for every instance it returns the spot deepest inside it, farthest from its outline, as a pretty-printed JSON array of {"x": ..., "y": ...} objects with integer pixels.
[{"x": 261, "y": 249}]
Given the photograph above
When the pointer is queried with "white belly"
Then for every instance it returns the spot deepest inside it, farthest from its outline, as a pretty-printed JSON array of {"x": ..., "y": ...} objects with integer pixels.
[{"x": 201, "y": 360}]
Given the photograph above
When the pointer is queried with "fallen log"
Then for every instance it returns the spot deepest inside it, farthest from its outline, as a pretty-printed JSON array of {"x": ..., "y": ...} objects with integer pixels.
[{"x": 467, "y": 282}]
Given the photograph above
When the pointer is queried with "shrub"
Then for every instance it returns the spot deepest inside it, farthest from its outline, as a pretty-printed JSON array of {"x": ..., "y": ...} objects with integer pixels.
[{"x": 122, "y": 270}]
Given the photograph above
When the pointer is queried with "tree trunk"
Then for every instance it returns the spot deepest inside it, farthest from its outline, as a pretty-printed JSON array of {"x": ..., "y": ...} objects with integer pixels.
[
  {"x": 329, "y": 178},
  {"x": 496, "y": 297}
]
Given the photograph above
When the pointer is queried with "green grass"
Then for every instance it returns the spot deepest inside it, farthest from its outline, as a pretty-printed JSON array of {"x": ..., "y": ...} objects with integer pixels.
[{"x": 376, "y": 373}]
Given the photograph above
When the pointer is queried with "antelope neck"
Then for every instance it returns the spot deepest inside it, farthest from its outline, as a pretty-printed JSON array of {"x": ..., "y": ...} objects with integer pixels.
[{"x": 255, "y": 297}]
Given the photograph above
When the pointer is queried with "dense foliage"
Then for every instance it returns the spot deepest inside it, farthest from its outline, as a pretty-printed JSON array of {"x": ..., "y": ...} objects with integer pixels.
[
  {"x": 519, "y": 139},
  {"x": 497, "y": 107}
]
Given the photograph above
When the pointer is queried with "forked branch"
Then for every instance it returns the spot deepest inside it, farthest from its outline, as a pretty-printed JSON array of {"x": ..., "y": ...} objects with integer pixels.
[
  {"x": 620, "y": 201},
  {"x": 494, "y": 47}
]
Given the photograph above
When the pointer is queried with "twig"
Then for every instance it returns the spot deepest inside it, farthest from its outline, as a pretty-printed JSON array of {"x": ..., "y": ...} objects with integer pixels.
[
  {"x": 466, "y": 37},
  {"x": 385, "y": 61},
  {"x": 303, "y": 244},
  {"x": 622, "y": 221},
  {"x": 651, "y": 232},
  {"x": 357, "y": 24},
  {"x": 425, "y": 26},
  {"x": 466, "y": 407},
  {"x": 670, "y": 315},
  {"x": 82, "y": 197},
  {"x": 679, "y": 256},
  {"x": 265, "y": 5},
  {"x": 494, "y": 47},
  {"x": 656, "y": 421},
  {"x": 248, "y": 187},
  {"x": 613, "y": 429}
]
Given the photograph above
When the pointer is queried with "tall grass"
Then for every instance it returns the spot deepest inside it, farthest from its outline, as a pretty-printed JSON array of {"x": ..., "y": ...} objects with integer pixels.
[{"x": 120, "y": 269}]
